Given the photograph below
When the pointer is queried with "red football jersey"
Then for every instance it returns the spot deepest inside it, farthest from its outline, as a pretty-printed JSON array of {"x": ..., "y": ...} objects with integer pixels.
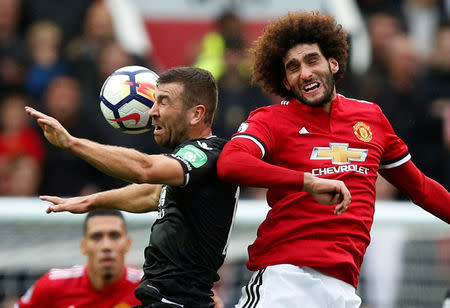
[
  {"x": 349, "y": 144},
  {"x": 71, "y": 288}
]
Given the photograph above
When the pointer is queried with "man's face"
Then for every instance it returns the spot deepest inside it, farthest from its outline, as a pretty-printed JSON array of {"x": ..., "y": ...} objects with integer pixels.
[
  {"x": 105, "y": 243},
  {"x": 169, "y": 117},
  {"x": 309, "y": 75}
]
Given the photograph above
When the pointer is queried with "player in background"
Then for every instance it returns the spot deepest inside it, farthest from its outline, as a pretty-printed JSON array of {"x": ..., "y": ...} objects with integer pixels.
[
  {"x": 304, "y": 253},
  {"x": 104, "y": 282}
]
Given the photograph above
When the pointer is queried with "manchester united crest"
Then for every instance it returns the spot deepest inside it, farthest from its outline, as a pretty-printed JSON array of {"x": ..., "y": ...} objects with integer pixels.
[{"x": 362, "y": 131}]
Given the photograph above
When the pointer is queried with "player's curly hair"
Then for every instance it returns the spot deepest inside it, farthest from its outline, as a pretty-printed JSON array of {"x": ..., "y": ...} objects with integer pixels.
[{"x": 286, "y": 32}]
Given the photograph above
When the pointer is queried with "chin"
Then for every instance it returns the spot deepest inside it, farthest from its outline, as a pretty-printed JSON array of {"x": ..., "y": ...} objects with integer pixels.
[{"x": 108, "y": 275}]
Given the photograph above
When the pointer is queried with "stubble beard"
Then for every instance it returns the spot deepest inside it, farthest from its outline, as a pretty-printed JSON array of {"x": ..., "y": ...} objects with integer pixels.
[
  {"x": 326, "y": 98},
  {"x": 107, "y": 276}
]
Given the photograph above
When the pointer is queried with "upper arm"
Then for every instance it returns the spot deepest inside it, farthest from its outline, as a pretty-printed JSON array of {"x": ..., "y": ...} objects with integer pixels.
[{"x": 38, "y": 295}]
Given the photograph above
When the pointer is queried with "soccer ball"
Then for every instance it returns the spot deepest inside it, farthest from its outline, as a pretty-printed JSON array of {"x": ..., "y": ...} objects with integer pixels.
[{"x": 126, "y": 97}]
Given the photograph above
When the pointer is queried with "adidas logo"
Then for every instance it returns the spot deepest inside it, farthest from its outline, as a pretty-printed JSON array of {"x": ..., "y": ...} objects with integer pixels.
[{"x": 303, "y": 131}]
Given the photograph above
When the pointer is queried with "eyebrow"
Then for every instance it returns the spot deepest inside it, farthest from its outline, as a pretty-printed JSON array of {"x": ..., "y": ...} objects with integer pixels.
[
  {"x": 162, "y": 96},
  {"x": 311, "y": 55},
  {"x": 307, "y": 56}
]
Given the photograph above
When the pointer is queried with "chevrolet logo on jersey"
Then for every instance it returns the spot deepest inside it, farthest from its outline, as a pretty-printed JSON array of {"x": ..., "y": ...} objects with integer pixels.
[{"x": 339, "y": 153}]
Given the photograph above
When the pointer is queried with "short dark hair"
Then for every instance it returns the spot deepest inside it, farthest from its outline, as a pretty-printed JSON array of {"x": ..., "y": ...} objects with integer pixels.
[
  {"x": 200, "y": 88},
  {"x": 103, "y": 212},
  {"x": 288, "y": 31}
]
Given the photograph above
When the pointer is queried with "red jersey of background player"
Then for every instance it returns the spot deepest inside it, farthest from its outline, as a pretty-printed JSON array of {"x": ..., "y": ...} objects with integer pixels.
[
  {"x": 349, "y": 144},
  {"x": 70, "y": 287}
]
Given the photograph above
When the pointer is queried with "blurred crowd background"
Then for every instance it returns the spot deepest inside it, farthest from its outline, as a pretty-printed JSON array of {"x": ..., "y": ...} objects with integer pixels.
[{"x": 55, "y": 55}]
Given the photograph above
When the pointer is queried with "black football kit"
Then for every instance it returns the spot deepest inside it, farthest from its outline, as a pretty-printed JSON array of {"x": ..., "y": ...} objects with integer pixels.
[{"x": 189, "y": 239}]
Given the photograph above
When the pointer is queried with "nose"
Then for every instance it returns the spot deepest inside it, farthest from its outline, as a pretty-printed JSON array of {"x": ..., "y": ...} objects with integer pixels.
[
  {"x": 106, "y": 243},
  {"x": 153, "y": 111},
  {"x": 306, "y": 73}
]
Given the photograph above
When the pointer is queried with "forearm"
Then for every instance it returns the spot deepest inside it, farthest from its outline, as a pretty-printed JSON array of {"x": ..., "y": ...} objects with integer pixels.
[
  {"x": 239, "y": 163},
  {"x": 134, "y": 198},
  {"x": 119, "y": 162},
  {"x": 422, "y": 190}
]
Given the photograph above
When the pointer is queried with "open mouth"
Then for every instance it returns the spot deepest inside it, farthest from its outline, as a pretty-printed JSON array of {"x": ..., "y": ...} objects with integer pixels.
[
  {"x": 311, "y": 87},
  {"x": 157, "y": 128}
]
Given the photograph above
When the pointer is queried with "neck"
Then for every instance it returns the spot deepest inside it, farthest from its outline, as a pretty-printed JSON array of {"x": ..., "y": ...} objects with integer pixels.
[
  {"x": 327, "y": 106},
  {"x": 200, "y": 132}
]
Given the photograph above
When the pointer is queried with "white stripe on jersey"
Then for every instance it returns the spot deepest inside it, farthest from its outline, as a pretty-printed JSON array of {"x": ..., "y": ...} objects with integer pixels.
[
  {"x": 396, "y": 163},
  {"x": 66, "y": 273},
  {"x": 283, "y": 102},
  {"x": 358, "y": 100},
  {"x": 261, "y": 147},
  {"x": 134, "y": 274}
]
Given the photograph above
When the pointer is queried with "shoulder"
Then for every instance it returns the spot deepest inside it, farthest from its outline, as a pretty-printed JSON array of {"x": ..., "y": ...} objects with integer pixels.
[
  {"x": 353, "y": 106},
  {"x": 212, "y": 144},
  {"x": 74, "y": 272},
  {"x": 197, "y": 153},
  {"x": 358, "y": 104},
  {"x": 57, "y": 279},
  {"x": 133, "y": 274},
  {"x": 268, "y": 110}
]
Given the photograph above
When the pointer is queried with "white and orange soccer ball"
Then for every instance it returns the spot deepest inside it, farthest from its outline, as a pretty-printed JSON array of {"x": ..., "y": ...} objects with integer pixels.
[{"x": 126, "y": 97}]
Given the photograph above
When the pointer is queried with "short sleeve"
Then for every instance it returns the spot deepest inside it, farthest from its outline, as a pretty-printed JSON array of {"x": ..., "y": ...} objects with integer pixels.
[
  {"x": 257, "y": 129},
  {"x": 198, "y": 160},
  {"x": 38, "y": 295}
]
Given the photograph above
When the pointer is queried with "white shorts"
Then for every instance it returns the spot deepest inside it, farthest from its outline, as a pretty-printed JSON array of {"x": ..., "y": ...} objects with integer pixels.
[{"x": 286, "y": 285}]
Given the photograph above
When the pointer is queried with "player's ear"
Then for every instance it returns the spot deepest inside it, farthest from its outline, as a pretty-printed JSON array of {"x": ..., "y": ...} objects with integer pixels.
[
  {"x": 83, "y": 246},
  {"x": 128, "y": 245},
  {"x": 286, "y": 84},
  {"x": 198, "y": 114},
  {"x": 334, "y": 65}
]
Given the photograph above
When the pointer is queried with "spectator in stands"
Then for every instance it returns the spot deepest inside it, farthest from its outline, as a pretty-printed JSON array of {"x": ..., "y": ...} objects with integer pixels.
[
  {"x": 382, "y": 27},
  {"x": 422, "y": 18},
  {"x": 44, "y": 44},
  {"x": 67, "y": 14},
  {"x": 396, "y": 91},
  {"x": 12, "y": 47},
  {"x": 431, "y": 111},
  {"x": 237, "y": 95},
  {"x": 210, "y": 52},
  {"x": 63, "y": 100},
  {"x": 22, "y": 150},
  {"x": 82, "y": 52},
  {"x": 104, "y": 282}
]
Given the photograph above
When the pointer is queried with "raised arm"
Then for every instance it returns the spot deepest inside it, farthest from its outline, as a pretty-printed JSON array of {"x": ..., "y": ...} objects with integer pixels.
[
  {"x": 422, "y": 190},
  {"x": 134, "y": 198},
  {"x": 127, "y": 164}
]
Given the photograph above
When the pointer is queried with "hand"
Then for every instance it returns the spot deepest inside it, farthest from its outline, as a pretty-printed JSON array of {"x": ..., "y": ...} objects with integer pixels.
[
  {"x": 75, "y": 205},
  {"x": 328, "y": 192},
  {"x": 55, "y": 133}
]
